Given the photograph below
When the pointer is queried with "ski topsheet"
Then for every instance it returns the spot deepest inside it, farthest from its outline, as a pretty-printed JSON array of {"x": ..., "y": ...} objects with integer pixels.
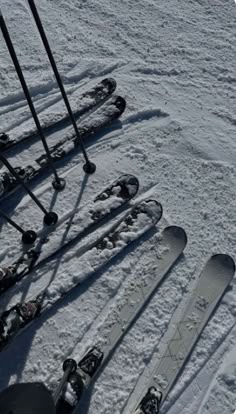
[
  {"x": 214, "y": 279},
  {"x": 73, "y": 225},
  {"x": 172, "y": 243},
  {"x": 85, "y": 103},
  {"x": 101, "y": 118},
  {"x": 135, "y": 223}
]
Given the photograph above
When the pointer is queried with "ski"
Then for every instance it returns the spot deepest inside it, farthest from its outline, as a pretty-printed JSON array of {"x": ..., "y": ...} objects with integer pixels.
[
  {"x": 110, "y": 111},
  {"x": 84, "y": 104},
  {"x": 172, "y": 243},
  {"x": 133, "y": 225},
  {"x": 214, "y": 279},
  {"x": 74, "y": 225}
]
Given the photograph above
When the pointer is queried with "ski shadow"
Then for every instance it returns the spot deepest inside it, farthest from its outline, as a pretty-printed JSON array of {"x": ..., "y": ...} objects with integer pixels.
[
  {"x": 116, "y": 125},
  {"x": 76, "y": 206},
  {"x": 63, "y": 239},
  {"x": 28, "y": 280},
  {"x": 9, "y": 204},
  {"x": 64, "y": 247},
  {"x": 24, "y": 248},
  {"x": 15, "y": 354}
]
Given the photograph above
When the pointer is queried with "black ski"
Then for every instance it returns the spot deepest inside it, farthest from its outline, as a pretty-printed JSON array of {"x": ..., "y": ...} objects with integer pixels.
[
  {"x": 87, "y": 102},
  {"x": 107, "y": 113},
  {"x": 76, "y": 224},
  {"x": 132, "y": 226}
]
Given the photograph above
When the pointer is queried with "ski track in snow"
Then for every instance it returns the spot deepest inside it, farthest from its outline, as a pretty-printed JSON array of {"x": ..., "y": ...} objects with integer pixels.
[{"x": 174, "y": 63}]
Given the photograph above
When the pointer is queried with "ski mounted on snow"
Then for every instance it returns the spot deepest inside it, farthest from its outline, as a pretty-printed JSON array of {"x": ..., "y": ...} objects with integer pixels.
[
  {"x": 107, "y": 113},
  {"x": 86, "y": 102},
  {"x": 172, "y": 242},
  {"x": 214, "y": 280},
  {"x": 133, "y": 225},
  {"x": 77, "y": 224}
]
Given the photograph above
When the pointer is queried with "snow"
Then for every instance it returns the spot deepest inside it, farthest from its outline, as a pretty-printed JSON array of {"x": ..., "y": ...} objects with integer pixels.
[{"x": 174, "y": 63}]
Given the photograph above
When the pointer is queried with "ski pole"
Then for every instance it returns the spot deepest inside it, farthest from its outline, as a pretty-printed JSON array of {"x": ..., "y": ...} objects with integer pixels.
[
  {"x": 69, "y": 368},
  {"x": 89, "y": 167},
  {"x": 50, "y": 218},
  {"x": 28, "y": 237},
  {"x": 58, "y": 183}
]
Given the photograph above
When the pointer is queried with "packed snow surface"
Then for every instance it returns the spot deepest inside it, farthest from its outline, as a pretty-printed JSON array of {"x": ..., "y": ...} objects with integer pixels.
[{"x": 174, "y": 63}]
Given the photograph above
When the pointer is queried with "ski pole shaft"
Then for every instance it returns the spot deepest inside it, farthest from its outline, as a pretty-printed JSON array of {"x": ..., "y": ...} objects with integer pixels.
[
  {"x": 21, "y": 182},
  {"x": 48, "y": 215},
  {"x": 28, "y": 237},
  {"x": 6, "y": 35},
  {"x": 70, "y": 367},
  {"x": 89, "y": 167},
  {"x": 11, "y": 222}
]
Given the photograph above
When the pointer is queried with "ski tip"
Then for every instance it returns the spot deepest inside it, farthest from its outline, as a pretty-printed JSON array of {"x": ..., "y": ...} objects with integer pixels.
[
  {"x": 131, "y": 184},
  {"x": 225, "y": 262},
  {"x": 220, "y": 268},
  {"x": 153, "y": 208},
  {"x": 110, "y": 84},
  {"x": 176, "y": 234}
]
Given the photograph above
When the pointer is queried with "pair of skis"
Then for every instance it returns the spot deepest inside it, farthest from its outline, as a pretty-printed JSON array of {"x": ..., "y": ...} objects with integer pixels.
[
  {"x": 210, "y": 287},
  {"x": 84, "y": 104},
  {"x": 68, "y": 230},
  {"x": 104, "y": 108},
  {"x": 130, "y": 227}
]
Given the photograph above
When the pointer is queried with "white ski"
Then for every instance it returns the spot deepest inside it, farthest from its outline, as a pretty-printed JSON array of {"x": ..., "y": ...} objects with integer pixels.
[{"x": 214, "y": 279}]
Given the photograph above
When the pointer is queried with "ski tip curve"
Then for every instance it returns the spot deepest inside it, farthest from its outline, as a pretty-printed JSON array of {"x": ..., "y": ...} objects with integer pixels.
[
  {"x": 177, "y": 234},
  {"x": 131, "y": 183},
  {"x": 154, "y": 209},
  {"x": 224, "y": 261},
  {"x": 120, "y": 103},
  {"x": 220, "y": 268},
  {"x": 110, "y": 84}
]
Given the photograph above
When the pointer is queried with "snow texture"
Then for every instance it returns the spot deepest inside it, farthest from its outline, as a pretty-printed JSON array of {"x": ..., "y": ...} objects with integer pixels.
[{"x": 174, "y": 62}]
